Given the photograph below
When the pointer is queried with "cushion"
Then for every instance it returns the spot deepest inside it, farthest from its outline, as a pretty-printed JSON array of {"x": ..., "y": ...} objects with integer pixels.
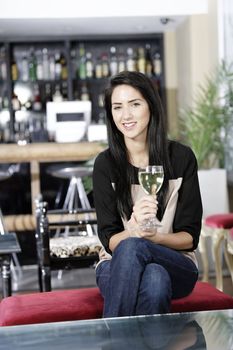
[
  {"x": 87, "y": 303},
  {"x": 220, "y": 220},
  {"x": 62, "y": 305},
  {"x": 203, "y": 297},
  {"x": 64, "y": 247}
]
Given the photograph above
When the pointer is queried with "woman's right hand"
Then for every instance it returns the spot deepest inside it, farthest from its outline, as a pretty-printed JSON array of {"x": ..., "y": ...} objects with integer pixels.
[{"x": 145, "y": 208}]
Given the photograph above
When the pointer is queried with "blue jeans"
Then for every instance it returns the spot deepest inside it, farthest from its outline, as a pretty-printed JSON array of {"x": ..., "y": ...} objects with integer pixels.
[{"x": 143, "y": 277}]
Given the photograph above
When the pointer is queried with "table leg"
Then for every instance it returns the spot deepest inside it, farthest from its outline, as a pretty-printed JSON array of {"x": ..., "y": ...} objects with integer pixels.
[
  {"x": 6, "y": 275},
  {"x": 35, "y": 182},
  {"x": 218, "y": 237},
  {"x": 204, "y": 257},
  {"x": 228, "y": 257}
]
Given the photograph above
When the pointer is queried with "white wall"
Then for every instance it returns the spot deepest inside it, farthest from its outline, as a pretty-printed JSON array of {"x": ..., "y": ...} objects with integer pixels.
[{"x": 196, "y": 53}]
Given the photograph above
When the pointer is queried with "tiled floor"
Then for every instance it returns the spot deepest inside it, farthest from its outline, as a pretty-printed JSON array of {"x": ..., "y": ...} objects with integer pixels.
[{"x": 78, "y": 278}]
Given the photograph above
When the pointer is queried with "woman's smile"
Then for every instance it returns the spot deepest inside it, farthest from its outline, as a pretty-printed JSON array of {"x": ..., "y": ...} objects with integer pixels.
[{"x": 129, "y": 125}]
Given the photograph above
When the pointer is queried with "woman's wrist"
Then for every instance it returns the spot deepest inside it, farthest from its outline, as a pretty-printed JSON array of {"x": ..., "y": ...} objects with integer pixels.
[{"x": 133, "y": 227}]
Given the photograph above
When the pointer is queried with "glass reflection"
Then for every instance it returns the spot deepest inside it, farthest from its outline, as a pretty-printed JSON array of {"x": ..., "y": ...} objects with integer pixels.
[{"x": 160, "y": 333}]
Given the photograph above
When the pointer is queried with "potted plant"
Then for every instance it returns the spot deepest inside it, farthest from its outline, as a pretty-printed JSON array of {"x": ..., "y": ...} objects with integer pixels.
[
  {"x": 206, "y": 125},
  {"x": 207, "y": 129}
]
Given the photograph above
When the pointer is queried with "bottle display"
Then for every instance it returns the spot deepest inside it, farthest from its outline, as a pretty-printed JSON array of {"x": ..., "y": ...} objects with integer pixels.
[{"x": 43, "y": 72}]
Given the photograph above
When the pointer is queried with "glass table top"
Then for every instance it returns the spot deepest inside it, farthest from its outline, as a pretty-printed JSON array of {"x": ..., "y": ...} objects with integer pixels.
[{"x": 200, "y": 330}]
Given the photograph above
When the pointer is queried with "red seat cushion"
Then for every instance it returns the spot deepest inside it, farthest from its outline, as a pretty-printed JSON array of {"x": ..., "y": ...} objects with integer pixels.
[
  {"x": 220, "y": 221},
  {"x": 62, "y": 305},
  {"x": 87, "y": 303},
  {"x": 203, "y": 297}
]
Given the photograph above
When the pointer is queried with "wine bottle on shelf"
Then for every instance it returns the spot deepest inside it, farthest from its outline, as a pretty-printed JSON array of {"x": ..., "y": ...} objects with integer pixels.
[
  {"x": 101, "y": 100},
  {"x": 157, "y": 64},
  {"x": 24, "y": 74},
  {"x": 105, "y": 65},
  {"x": 98, "y": 69},
  {"x": 3, "y": 68},
  {"x": 21, "y": 135},
  {"x": 89, "y": 65},
  {"x": 39, "y": 66},
  {"x": 64, "y": 91},
  {"x": 5, "y": 101},
  {"x": 64, "y": 70},
  {"x": 82, "y": 63},
  {"x": 121, "y": 62},
  {"x": 149, "y": 66},
  {"x": 84, "y": 95},
  {"x": 15, "y": 102},
  {"x": 48, "y": 95},
  {"x": 57, "y": 66},
  {"x": 130, "y": 62},
  {"x": 14, "y": 70},
  {"x": 36, "y": 104},
  {"x": 113, "y": 61},
  {"x": 48, "y": 92},
  {"x": 51, "y": 67},
  {"x": 45, "y": 64},
  {"x": 73, "y": 57},
  {"x": 57, "y": 96},
  {"x": 141, "y": 61},
  {"x": 32, "y": 66}
]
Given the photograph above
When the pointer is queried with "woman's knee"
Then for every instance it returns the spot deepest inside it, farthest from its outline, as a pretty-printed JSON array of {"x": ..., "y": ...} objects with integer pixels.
[
  {"x": 129, "y": 246},
  {"x": 103, "y": 270},
  {"x": 103, "y": 276},
  {"x": 156, "y": 283},
  {"x": 155, "y": 290}
]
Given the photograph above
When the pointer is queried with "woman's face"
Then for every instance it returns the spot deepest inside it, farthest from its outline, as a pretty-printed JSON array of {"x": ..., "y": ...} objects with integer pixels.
[{"x": 130, "y": 112}]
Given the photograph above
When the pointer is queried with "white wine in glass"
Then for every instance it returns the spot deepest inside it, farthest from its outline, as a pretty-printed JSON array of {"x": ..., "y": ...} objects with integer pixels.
[{"x": 151, "y": 179}]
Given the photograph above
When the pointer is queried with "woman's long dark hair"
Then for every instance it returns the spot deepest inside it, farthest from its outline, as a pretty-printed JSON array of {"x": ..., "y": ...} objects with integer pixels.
[{"x": 156, "y": 138}]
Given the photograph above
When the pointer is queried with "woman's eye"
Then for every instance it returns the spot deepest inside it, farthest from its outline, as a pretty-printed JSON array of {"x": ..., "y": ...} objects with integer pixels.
[
  {"x": 136, "y": 104},
  {"x": 116, "y": 108}
]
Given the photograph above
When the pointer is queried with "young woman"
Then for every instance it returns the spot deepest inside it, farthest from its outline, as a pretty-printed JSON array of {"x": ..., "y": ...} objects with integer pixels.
[{"x": 144, "y": 270}]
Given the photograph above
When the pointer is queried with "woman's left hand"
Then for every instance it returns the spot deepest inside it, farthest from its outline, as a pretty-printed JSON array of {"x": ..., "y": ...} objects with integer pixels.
[{"x": 136, "y": 231}]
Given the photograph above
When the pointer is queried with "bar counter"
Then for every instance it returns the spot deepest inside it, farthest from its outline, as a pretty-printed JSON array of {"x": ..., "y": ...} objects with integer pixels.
[
  {"x": 49, "y": 152},
  {"x": 36, "y": 153}
]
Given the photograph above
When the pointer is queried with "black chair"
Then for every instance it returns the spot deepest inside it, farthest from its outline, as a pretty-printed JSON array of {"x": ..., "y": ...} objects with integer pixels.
[{"x": 84, "y": 249}]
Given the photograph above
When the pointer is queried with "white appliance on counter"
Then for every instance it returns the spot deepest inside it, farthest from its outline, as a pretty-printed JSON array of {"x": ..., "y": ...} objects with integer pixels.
[
  {"x": 68, "y": 121},
  {"x": 97, "y": 132}
]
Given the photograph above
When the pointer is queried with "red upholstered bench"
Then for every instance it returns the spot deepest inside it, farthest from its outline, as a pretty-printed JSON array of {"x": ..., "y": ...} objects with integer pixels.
[{"x": 87, "y": 303}]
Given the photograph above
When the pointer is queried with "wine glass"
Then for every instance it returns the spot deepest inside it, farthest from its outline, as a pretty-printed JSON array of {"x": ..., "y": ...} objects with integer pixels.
[{"x": 151, "y": 179}]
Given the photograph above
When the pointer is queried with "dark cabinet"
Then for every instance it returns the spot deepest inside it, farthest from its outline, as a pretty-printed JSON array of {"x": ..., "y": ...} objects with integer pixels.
[{"x": 37, "y": 71}]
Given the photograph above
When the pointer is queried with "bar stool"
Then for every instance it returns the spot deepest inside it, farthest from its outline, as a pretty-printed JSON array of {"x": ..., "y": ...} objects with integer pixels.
[
  {"x": 76, "y": 196},
  {"x": 217, "y": 220},
  {"x": 217, "y": 226},
  {"x": 5, "y": 173}
]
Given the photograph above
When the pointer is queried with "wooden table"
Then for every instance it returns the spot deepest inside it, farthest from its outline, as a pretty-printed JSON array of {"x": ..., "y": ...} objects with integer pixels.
[{"x": 36, "y": 153}]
